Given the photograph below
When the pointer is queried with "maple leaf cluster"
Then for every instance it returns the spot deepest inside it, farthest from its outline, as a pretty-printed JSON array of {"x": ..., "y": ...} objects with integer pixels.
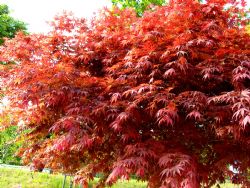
[{"x": 164, "y": 97}]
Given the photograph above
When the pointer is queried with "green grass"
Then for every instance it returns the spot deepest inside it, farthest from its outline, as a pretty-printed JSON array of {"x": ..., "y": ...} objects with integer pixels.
[
  {"x": 21, "y": 178},
  {"x": 13, "y": 178}
]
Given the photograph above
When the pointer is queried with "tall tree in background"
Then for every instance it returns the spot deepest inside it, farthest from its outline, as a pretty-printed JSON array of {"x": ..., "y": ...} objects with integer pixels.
[
  {"x": 8, "y": 147},
  {"x": 165, "y": 96},
  {"x": 8, "y": 28},
  {"x": 8, "y": 25},
  {"x": 139, "y": 5}
]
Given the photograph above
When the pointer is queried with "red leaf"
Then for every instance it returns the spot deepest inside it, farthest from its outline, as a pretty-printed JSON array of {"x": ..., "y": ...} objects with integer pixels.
[
  {"x": 194, "y": 114},
  {"x": 246, "y": 121},
  {"x": 115, "y": 97},
  {"x": 169, "y": 73}
]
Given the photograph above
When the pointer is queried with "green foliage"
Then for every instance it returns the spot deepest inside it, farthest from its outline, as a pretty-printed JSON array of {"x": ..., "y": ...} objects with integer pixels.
[
  {"x": 8, "y": 28},
  {"x": 8, "y": 147},
  {"x": 8, "y": 25},
  {"x": 139, "y": 5}
]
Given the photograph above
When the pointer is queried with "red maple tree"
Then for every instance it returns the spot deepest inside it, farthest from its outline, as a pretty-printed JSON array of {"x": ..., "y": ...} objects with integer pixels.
[{"x": 164, "y": 97}]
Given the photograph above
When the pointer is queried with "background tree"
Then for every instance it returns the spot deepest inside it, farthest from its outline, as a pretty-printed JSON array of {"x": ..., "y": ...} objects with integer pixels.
[
  {"x": 139, "y": 5},
  {"x": 8, "y": 25},
  {"x": 164, "y": 96},
  {"x": 8, "y": 28},
  {"x": 8, "y": 146}
]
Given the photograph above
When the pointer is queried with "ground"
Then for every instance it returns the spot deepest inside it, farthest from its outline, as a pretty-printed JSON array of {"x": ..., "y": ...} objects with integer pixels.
[{"x": 23, "y": 178}]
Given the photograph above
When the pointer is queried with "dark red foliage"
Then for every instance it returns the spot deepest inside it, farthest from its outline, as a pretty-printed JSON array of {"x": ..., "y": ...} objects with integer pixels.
[{"x": 164, "y": 97}]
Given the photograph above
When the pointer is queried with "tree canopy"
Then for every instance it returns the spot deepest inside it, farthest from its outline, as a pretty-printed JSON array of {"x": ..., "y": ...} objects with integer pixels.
[
  {"x": 8, "y": 25},
  {"x": 139, "y": 6},
  {"x": 8, "y": 147},
  {"x": 164, "y": 96}
]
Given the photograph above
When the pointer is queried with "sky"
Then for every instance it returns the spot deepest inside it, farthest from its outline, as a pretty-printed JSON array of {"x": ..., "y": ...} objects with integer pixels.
[{"x": 37, "y": 12}]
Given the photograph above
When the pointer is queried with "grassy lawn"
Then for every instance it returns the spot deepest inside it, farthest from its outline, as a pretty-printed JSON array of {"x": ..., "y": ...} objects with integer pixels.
[
  {"x": 21, "y": 178},
  {"x": 15, "y": 178}
]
